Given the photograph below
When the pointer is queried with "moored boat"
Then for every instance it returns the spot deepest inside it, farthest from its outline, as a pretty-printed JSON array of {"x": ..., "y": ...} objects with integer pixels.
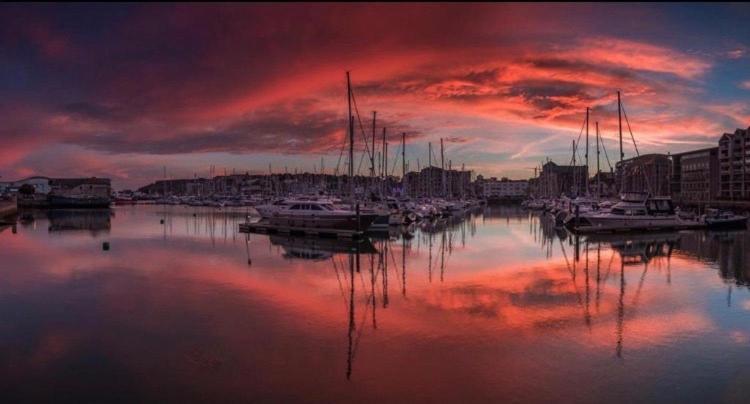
[
  {"x": 635, "y": 212},
  {"x": 716, "y": 219},
  {"x": 319, "y": 216}
]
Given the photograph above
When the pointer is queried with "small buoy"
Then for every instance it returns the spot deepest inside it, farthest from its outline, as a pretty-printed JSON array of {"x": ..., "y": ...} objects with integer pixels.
[
  {"x": 249, "y": 262},
  {"x": 161, "y": 221},
  {"x": 105, "y": 246}
]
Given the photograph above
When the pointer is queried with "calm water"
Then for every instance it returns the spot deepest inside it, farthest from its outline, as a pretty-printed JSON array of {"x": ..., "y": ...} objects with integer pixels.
[{"x": 497, "y": 307}]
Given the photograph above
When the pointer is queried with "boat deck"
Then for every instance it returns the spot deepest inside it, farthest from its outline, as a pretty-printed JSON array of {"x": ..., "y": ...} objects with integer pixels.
[{"x": 266, "y": 228}]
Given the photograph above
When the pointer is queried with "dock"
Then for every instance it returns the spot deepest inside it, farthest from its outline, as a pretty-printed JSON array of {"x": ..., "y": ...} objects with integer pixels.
[{"x": 267, "y": 228}]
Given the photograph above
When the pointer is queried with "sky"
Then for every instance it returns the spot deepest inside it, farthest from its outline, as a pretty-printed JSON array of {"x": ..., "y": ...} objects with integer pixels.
[{"x": 127, "y": 91}]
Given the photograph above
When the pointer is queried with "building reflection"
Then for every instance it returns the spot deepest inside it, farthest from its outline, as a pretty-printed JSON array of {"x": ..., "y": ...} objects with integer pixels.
[
  {"x": 728, "y": 249},
  {"x": 94, "y": 221}
]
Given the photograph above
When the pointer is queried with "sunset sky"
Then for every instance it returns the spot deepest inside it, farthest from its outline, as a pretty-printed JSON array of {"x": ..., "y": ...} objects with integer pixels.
[{"x": 122, "y": 91}]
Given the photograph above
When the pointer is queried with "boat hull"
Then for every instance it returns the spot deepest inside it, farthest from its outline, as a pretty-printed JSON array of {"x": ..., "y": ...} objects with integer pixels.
[{"x": 738, "y": 223}]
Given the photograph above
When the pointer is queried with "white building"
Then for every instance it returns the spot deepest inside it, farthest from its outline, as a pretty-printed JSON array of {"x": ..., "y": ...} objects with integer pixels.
[
  {"x": 40, "y": 184},
  {"x": 505, "y": 188}
]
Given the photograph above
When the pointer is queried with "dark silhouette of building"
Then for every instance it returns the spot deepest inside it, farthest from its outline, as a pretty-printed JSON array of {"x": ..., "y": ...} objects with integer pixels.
[
  {"x": 734, "y": 165},
  {"x": 695, "y": 176},
  {"x": 649, "y": 173},
  {"x": 555, "y": 180}
]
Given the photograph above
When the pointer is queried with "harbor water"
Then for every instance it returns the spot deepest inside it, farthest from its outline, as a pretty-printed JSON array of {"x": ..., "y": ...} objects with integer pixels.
[{"x": 173, "y": 304}]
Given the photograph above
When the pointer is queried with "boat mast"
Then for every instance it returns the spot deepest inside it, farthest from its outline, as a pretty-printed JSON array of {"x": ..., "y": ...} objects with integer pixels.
[
  {"x": 351, "y": 135},
  {"x": 442, "y": 167},
  {"x": 383, "y": 169},
  {"x": 403, "y": 163},
  {"x": 619, "y": 124},
  {"x": 576, "y": 186},
  {"x": 372, "y": 150},
  {"x": 385, "y": 166},
  {"x": 598, "y": 169},
  {"x": 429, "y": 170},
  {"x": 587, "y": 151}
]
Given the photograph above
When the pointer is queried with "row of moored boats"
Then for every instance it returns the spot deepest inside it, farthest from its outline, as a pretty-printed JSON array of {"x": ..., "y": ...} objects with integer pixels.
[
  {"x": 633, "y": 212},
  {"x": 329, "y": 214}
]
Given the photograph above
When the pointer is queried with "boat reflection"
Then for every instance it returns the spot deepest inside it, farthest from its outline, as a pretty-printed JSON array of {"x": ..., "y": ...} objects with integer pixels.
[
  {"x": 639, "y": 248},
  {"x": 316, "y": 248}
]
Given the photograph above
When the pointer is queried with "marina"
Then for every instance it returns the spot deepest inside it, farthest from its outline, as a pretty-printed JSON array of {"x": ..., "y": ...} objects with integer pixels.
[{"x": 375, "y": 203}]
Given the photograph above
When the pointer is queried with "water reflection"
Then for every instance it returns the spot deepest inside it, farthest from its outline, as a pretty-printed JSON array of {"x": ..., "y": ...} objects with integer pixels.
[
  {"x": 479, "y": 308},
  {"x": 93, "y": 221}
]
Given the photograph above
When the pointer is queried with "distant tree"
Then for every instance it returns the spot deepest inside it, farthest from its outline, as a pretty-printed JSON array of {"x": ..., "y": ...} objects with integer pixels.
[{"x": 26, "y": 189}]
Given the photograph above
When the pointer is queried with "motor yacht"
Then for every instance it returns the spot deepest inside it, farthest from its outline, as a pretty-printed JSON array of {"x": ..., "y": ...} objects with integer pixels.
[{"x": 634, "y": 212}]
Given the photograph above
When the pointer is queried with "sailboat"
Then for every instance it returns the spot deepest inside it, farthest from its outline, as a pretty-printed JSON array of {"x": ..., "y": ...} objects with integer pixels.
[{"x": 636, "y": 211}]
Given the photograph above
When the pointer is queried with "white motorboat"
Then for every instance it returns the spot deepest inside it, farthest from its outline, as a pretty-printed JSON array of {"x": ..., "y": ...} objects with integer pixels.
[
  {"x": 635, "y": 212},
  {"x": 319, "y": 215}
]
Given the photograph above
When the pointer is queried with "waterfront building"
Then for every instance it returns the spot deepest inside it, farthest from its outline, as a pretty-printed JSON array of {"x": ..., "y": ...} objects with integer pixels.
[
  {"x": 734, "y": 165},
  {"x": 605, "y": 180},
  {"x": 555, "y": 180},
  {"x": 695, "y": 176},
  {"x": 504, "y": 188},
  {"x": 646, "y": 173},
  {"x": 40, "y": 184},
  {"x": 429, "y": 182},
  {"x": 81, "y": 187}
]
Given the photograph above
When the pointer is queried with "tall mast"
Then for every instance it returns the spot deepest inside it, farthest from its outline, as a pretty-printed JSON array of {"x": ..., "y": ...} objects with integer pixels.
[
  {"x": 619, "y": 124},
  {"x": 442, "y": 167},
  {"x": 403, "y": 163},
  {"x": 351, "y": 135},
  {"x": 429, "y": 170},
  {"x": 385, "y": 166},
  {"x": 372, "y": 155},
  {"x": 383, "y": 159},
  {"x": 598, "y": 169},
  {"x": 587, "y": 151},
  {"x": 575, "y": 177}
]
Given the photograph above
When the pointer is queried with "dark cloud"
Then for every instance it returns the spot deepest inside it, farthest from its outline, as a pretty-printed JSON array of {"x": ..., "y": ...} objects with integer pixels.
[{"x": 298, "y": 127}]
